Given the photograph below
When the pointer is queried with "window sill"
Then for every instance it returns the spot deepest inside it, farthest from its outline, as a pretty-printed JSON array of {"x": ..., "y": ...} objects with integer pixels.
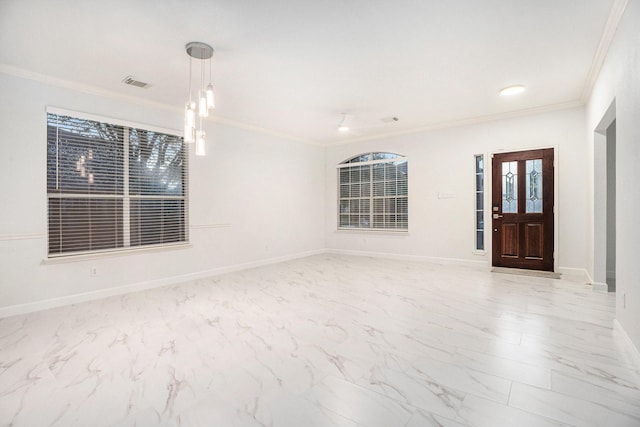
[
  {"x": 60, "y": 259},
  {"x": 372, "y": 231},
  {"x": 479, "y": 253}
]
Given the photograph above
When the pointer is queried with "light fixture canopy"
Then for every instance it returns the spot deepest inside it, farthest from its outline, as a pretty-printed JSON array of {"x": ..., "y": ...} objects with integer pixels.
[
  {"x": 199, "y": 50},
  {"x": 512, "y": 90},
  {"x": 196, "y": 110}
]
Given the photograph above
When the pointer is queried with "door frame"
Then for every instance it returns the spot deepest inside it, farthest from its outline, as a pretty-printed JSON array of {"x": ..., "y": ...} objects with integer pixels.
[
  {"x": 488, "y": 179},
  {"x": 599, "y": 248}
]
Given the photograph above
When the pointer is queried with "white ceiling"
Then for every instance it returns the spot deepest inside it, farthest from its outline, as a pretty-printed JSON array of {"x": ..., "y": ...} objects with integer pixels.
[{"x": 293, "y": 66}]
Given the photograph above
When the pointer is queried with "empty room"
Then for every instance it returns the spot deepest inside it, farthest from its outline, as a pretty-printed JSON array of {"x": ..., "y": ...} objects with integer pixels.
[{"x": 320, "y": 213}]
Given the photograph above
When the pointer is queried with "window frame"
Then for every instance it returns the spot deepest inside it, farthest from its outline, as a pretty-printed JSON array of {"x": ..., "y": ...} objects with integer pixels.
[
  {"x": 479, "y": 190},
  {"x": 127, "y": 209},
  {"x": 349, "y": 163}
]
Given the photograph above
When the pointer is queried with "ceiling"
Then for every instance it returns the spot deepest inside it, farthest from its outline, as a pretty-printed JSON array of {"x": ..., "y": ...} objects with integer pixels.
[{"x": 293, "y": 66}]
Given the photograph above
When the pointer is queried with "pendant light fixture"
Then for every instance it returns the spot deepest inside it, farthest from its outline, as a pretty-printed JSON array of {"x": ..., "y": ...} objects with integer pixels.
[{"x": 198, "y": 106}]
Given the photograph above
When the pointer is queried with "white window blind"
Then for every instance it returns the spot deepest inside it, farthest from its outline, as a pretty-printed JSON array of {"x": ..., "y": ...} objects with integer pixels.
[
  {"x": 373, "y": 192},
  {"x": 112, "y": 187}
]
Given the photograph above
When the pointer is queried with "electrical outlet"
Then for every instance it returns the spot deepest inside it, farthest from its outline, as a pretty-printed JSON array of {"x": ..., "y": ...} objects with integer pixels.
[{"x": 93, "y": 271}]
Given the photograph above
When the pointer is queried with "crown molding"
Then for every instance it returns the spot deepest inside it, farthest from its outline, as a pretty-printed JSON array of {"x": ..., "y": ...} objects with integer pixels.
[
  {"x": 615, "y": 16},
  {"x": 94, "y": 90},
  {"x": 467, "y": 122}
]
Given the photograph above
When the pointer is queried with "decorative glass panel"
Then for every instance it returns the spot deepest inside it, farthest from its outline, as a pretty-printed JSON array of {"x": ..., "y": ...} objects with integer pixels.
[
  {"x": 480, "y": 240},
  {"x": 382, "y": 156},
  {"x": 534, "y": 186},
  {"x": 479, "y": 180},
  {"x": 359, "y": 159},
  {"x": 509, "y": 187},
  {"x": 479, "y": 164}
]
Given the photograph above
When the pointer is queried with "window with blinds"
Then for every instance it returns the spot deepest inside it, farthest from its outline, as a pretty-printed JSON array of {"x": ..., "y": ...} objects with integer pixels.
[
  {"x": 112, "y": 187},
  {"x": 373, "y": 192}
]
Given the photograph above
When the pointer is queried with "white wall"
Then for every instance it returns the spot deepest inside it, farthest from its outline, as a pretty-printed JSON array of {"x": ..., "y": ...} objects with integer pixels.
[
  {"x": 262, "y": 190},
  {"x": 619, "y": 82},
  {"x": 443, "y": 161}
]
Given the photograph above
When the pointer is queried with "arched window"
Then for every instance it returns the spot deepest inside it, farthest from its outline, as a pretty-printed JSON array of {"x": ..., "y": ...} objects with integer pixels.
[{"x": 372, "y": 192}]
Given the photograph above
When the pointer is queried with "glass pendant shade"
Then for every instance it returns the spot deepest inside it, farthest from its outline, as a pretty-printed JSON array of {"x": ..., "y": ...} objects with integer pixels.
[
  {"x": 200, "y": 143},
  {"x": 189, "y": 122},
  {"x": 211, "y": 97},
  {"x": 203, "y": 110}
]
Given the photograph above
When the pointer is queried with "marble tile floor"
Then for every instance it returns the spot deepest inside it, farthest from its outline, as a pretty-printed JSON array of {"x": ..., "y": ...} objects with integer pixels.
[{"x": 326, "y": 341}]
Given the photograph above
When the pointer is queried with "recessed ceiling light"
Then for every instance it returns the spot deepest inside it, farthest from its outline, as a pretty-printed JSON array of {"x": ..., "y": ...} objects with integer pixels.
[
  {"x": 512, "y": 90},
  {"x": 343, "y": 128}
]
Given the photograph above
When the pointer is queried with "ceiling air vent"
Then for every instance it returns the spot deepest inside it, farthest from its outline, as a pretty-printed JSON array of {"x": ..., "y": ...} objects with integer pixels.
[
  {"x": 389, "y": 119},
  {"x": 129, "y": 80}
]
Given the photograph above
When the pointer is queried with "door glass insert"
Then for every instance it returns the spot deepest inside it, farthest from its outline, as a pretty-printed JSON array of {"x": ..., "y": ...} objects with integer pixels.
[
  {"x": 509, "y": 187},
  {"x": 534, "y": 186}
]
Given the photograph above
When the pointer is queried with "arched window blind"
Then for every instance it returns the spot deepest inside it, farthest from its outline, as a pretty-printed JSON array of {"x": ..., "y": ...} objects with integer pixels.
[
  {"x": 113, "y": 187},
  {"x": 373, "y": 192}
]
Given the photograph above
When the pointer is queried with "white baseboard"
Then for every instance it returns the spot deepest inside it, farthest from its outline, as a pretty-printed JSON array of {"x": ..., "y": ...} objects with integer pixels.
[
  {"x": 31, "y": 307},
  {"x": 577, "y": 274},
  {"x": 589, "y": 278},
  {"x": 436, "y": 260},
  {"x": 600, "y": 287},
  {"x": 630, "y": 346}
]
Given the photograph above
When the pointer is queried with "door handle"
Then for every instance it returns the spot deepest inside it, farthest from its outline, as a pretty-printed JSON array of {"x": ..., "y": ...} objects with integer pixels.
[{"x": 496, "y": 216}]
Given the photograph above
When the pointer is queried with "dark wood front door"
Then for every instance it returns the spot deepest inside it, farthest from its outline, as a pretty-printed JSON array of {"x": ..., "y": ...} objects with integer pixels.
[{"x": 522, "y": 209}]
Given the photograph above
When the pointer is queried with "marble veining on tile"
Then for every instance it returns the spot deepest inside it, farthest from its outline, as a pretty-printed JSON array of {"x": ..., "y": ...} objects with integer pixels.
[{"x": 325, "y": 341}]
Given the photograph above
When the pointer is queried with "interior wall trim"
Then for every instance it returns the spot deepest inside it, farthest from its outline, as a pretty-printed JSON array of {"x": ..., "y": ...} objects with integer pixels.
[
  {"x": 600, "y": 287},
  {"x": 205, "y": 226},
  {"x": 31, "y": 307},
  {"x": 467, "y": 122},
  {"x": 630, "y": 346},
  {"x": 24, "y": 236},
  {"x": 615, "y": 16},
  {"x": 575, "y": 273},
  {"x": 93, "y": 90},
  {"x": 481, "y": 265}
]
